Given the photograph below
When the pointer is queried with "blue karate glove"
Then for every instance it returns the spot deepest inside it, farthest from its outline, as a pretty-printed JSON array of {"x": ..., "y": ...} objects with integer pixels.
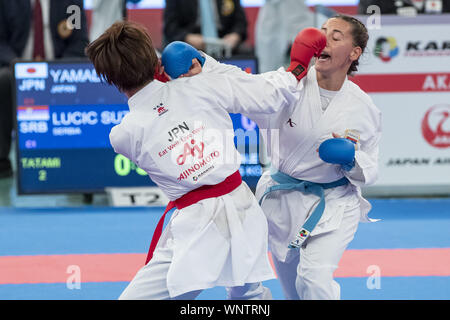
[
  {"x": 177, "y": 58},
  {"x": 338, "y": 151}
]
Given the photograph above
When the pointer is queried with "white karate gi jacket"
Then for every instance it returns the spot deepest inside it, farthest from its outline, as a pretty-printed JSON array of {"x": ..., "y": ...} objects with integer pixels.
[
  {"x": 181, "y": 134},
  {"x": 293, "y": 135}
]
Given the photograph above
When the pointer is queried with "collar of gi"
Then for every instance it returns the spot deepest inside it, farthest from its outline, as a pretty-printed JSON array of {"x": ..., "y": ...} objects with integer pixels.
[{"x": 141, "y": 97}]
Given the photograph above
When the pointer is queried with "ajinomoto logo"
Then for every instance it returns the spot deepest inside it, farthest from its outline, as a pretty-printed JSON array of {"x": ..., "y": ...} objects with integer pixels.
[
  {"x": 386, "y": 48},
  {"x": 436, "y": 126}
]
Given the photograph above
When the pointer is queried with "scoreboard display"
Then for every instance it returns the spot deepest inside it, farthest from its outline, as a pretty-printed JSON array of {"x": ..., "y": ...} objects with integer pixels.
[{"x": 64, "y": 116}]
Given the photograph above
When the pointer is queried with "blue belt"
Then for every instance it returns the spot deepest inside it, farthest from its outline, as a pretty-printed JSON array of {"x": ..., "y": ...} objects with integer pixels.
[{"x": 287, "y": 182}]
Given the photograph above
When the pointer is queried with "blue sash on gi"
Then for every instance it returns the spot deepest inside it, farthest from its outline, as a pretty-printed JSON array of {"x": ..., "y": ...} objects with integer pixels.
[{"x": 287, "y": 182}]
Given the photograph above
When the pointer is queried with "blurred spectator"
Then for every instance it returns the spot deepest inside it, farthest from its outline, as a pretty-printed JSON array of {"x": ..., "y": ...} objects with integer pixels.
[
  {"x": 406, "y": 7},
  {"x": 182, "y": 21},
  {"x": 105, "y": 13},
  {"x": 277, "y": 24},
  {"x": 33, "y": 30}
]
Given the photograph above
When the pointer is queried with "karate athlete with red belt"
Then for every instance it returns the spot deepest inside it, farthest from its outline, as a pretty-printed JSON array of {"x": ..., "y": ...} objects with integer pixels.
[
  {"x": 181, "y": 134},
  {"x": 323, "y": 148}
]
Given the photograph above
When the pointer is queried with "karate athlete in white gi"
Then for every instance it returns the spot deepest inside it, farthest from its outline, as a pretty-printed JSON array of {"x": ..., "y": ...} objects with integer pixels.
[
  {"x": 307, "y": 244},
  {"x": 330, "y": 106},
  {"x": 181, "y": 134}
]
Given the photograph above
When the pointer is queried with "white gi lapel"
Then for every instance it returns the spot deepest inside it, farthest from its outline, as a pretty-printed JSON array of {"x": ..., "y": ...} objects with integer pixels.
[
  {"x": 310, "y": 108},
  {"x": 313, "y": 97},
  {"x": 319, "y": 121},
  {"x": 331, "y": 119}
]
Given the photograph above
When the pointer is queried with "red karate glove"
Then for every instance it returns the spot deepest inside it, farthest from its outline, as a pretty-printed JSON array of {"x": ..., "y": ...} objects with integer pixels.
[{"x": 308, "y": 43}]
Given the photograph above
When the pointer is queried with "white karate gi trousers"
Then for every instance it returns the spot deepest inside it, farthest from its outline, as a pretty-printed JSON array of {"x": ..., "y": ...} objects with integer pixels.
[
  {"x": 150, "y": 283},
  {"x": 307, "y": 273},
  {"x": 216, "y": 242}
]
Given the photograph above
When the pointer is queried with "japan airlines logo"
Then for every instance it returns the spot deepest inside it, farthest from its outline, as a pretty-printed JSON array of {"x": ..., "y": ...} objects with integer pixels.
[
  {"x": 436, "y": 126},
  {"x": 386, "y": 48},
  {"x": 37, "y": 70}
]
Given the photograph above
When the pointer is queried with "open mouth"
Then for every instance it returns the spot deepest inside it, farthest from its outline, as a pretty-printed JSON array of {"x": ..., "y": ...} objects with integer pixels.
[{"x": 324, "y": 56}]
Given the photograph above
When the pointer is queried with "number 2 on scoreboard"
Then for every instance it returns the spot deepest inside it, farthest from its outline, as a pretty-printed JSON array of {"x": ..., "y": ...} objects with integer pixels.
[{"x": 42, "y": 175}]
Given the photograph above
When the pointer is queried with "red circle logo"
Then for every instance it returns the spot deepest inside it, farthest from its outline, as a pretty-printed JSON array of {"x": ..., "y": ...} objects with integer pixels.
[
  {"x": 436, "y": 126},
  {"x": 31, "y": 70}
]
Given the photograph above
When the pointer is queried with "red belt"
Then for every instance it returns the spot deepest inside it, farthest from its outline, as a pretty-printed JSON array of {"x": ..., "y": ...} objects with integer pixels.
[{"x": 194, "y": 196}]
